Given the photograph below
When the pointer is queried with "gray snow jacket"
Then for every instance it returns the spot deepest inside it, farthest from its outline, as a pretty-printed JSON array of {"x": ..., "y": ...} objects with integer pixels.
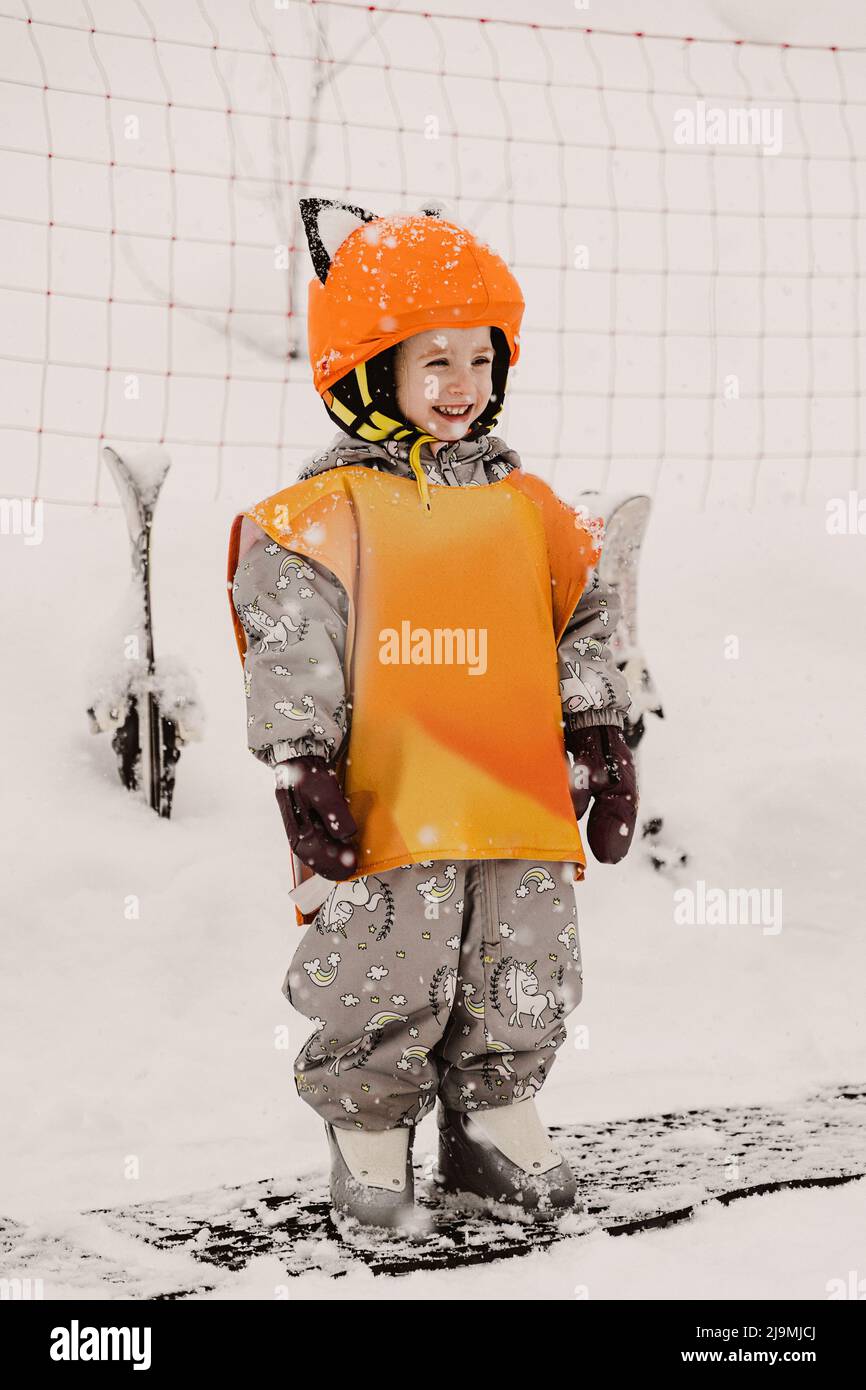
[{"x": 593, "y": 690}]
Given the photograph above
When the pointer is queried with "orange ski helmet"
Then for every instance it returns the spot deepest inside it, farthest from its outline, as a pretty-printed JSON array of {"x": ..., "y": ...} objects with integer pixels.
[{"x": 379, "y": 281}]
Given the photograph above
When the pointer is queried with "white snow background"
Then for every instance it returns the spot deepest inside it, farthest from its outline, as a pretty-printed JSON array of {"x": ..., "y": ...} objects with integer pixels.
[{"x": 154, "y": 1037}]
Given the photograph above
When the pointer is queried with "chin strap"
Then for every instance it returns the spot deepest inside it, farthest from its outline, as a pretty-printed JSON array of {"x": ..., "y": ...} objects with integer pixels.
[{"x": 417, "y": 469}]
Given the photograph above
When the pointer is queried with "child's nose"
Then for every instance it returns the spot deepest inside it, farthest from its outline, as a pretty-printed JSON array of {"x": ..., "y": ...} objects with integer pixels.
[{"x": 461, "y": 384}]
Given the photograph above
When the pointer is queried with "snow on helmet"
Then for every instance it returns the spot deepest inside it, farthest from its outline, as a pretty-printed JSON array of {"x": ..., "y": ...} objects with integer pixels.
[{"x": 379, "y": 281}]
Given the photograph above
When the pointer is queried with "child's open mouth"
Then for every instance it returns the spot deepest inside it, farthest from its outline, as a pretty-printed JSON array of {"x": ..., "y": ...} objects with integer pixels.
[{"x": 453, "y": 412}]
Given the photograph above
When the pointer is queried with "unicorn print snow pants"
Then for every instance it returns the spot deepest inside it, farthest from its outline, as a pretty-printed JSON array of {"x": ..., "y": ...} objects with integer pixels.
[{"x": 441, "y": 978}]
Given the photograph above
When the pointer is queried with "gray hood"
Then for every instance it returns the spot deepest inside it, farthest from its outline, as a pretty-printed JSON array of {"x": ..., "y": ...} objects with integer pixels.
[{"x": 466, "y": 463}]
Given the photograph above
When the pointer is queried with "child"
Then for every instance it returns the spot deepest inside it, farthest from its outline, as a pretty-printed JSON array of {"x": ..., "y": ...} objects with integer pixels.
[{"x": 423, "y": 634}]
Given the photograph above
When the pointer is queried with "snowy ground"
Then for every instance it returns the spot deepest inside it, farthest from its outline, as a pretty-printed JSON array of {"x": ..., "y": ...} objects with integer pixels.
[
  {"x": 781, "y": 1246},
  {"x": 153, "y": 1039}
]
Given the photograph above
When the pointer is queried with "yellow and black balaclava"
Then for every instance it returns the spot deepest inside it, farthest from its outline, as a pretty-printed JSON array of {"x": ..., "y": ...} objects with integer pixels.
[{"x": 364, "y": 402}]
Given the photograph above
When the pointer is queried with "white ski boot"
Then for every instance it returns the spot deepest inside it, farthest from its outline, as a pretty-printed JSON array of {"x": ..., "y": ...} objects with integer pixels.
[
  {"x": 371, "y": 1174},
  {"x": 504, "y": 1154}
]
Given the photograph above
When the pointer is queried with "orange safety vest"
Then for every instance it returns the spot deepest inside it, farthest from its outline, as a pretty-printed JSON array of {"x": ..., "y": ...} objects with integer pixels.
[{"x": 441, "y": 763}]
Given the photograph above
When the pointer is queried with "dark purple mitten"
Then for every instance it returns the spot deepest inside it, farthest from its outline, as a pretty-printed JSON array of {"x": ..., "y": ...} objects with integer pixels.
[
  {"x": 604, "y": 772},
  {"x": 317, "y": 818}
]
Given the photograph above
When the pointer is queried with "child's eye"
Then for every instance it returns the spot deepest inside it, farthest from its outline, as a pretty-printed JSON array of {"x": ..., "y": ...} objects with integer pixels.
[{"x": 443, "y": 362}]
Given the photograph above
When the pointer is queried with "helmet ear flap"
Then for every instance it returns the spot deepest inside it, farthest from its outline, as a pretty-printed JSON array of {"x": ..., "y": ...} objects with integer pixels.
[
  {"x": 499, "y": 375},
  {"x": 386, "y": 376},
  {"x": 379, "y": 395}
]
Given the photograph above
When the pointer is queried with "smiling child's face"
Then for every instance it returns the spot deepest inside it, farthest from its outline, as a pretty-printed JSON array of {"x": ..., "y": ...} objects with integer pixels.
[{"x": 444, "y": 379}]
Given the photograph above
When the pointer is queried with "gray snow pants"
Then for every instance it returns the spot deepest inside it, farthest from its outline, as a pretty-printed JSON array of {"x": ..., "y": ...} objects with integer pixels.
[{"x": 435, "y": 978}]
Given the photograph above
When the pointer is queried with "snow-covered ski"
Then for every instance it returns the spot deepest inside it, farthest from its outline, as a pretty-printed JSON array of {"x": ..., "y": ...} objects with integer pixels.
[
  {"x": 151, "y": 712},
  {"x": 633, "y": 1175},
  {"x": 139, "y": 492},
  {"x": 626, "y": 520},
  {"x": 625, "y": 526}
]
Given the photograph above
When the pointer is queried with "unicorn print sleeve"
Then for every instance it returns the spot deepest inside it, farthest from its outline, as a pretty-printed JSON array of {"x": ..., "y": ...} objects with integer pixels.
[
  {"x": 593, "y": 690},
  {"x": 294, "y": 613}
]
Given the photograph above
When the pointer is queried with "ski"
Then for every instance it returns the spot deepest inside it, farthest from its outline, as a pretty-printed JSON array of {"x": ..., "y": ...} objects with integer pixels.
[
  {"x": 132, "y": 702},
  {"x": 139, "y": 495},
  {"x": 625, "y": 525},
  {"x": 626, "y": 520}
]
